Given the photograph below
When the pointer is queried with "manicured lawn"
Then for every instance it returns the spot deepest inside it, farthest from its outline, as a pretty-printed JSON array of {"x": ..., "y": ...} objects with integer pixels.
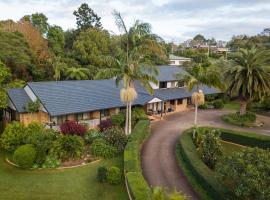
[
  {"x": 229, "y": 148},
  {"x": 233, "y": 105},
  {"x": 78, "y": 183}
]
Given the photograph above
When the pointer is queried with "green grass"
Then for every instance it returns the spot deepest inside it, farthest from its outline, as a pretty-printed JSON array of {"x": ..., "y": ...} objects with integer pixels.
[
  {"x": 229, "y": 148},
  {"x": 78, "y": 183},
  {"x": 233, "y": 105}
]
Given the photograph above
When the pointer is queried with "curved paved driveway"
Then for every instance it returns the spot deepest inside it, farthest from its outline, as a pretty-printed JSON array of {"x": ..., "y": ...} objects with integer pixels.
[{"x": 159, "y": 163}]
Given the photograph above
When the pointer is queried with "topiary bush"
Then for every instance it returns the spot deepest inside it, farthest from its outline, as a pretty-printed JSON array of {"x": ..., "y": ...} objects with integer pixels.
[
  {"x": 100, "y": 148},
  {"x": 72, "y": 128},
  {"x": 25, "y": 156},
  {"x": 218, "y": 104},
  {"x": 13, "y": 136},
  {"x": 102, "y": 174},
  {"x": 91, "y": 135},
  {"x": 116, "y": 137},
  {"x": 67, "y": 147},
  {"x": 105, "y": 124},
  {"x": 114, "y": 175},
  {"x": 118, "y": 119}
]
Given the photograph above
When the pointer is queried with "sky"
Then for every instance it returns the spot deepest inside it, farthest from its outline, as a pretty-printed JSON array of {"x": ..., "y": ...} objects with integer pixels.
[{"x": 174, "y": 20}]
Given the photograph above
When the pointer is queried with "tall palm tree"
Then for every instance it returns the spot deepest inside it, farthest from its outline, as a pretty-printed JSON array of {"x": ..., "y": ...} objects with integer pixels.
[
  {"x": 249, "y": 77},
  {"x": 77, "y": 73},
  {"x": 196, "y": 77},
  {"x": 134, "y": 64}
]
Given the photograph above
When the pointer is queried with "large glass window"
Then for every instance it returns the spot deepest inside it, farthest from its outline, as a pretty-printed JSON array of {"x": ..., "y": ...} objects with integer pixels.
[{"x": 163, "y": 85}]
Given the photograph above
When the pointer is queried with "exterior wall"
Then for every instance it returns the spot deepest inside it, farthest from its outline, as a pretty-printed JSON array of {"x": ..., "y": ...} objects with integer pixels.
[
  {"x": 114, "y": 111},
  {"x": 71, "y": 117},
  {"x": 40, "y": 117},
  {"x": 175, "y": 107},
  {"x": 96, "y": 115},
  {"x": 33, "y": 97}
]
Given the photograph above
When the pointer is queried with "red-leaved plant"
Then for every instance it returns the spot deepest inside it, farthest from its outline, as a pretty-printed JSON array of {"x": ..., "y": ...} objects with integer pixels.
[
  {"x": 105, "y": 124},
  {"x": 72, "y": 128}
]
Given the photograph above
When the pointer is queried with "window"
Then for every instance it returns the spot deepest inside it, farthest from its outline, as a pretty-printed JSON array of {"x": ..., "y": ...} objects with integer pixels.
[
  {"x": 104, "y": 113},
  {"x": 172, "y": 62},
  {"x": 172, "y": 102},
  {"x": 163, "y": 85},
  {"x": 179, "y": 101}
]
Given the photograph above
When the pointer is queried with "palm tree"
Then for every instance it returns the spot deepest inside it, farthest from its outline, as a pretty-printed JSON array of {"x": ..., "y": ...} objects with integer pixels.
[
  {"x": 77, "y": 73},
  {"x": 249, "y": 77},
  {"x": 133, "y": 65},
  {"x": 58, "y": 67},
  {"x": 197, "y": 76}
]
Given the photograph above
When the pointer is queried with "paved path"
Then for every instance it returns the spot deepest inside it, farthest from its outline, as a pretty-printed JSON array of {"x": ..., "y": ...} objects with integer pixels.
[{"x": 159, "y": 163}]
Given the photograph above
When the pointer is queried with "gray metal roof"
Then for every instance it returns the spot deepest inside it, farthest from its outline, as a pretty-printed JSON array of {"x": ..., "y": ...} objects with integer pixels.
[
  {"x": 168, "y": 73},
  {"x": 19, "y": 98},
  {"x": 178, "y": 93},
  {"x": 64, "y": 97}
]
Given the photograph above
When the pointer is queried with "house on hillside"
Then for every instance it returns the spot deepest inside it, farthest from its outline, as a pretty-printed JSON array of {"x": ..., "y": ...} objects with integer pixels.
[
  {"x": 177, "y": 60},
  {"x": 91, "y": 101}
]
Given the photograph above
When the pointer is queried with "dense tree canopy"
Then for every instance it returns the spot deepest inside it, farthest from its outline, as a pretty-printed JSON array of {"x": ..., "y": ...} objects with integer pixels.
[
  {"x": 39, "y": 20},
  {"x": 56, "y": 39}
]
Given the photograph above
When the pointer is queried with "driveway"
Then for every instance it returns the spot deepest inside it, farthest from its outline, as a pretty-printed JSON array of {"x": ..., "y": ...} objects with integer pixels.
[{"x": 158, "y": 158}]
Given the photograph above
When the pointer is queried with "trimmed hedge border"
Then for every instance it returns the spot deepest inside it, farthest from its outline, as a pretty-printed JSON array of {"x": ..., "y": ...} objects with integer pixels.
[
  {"x": 137, "y": 186},
  {"x": 200, "y": 171}
]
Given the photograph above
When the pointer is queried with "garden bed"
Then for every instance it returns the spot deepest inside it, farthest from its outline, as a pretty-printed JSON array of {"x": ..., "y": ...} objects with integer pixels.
[{"x": 247, "y": 120}]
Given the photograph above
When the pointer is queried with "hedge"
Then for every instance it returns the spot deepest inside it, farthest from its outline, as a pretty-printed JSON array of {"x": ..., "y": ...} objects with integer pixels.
[
  {"x": 138, "y": 187},
  {"x": 244, "y": 138},
  {"x": 202, "y": 173}
]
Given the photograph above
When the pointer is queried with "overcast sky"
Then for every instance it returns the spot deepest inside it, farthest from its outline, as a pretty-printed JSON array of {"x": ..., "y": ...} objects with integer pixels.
[{"x": 174, "y": 20}]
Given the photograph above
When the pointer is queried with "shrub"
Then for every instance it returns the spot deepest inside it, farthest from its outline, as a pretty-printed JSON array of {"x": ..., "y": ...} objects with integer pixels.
[
  {"x": 204, "y": 106},
  {"x": 246, "y": 174},
  {"x": 25, "y": 156},
  {"x": 211, "y": 148},
  {"x": 102, "y": 174},
  {"x": 72, "y": 128},
  {"x": 218, "y": 104},
  {"x": 101, "y": 149},
  {"x": 138, "y": 113},
  {"x": 13, "y": 136},
  {"x": 114, "y": 175},
  {"x": 240, "y": 120},
  {"x": 51, "y": 162},
  {"x": 91, "y": 135},
  {"x": 105, "y": 124},
  {"x": 116, "y": 137},
  {"x": 160, "y": 193},
  {"x": 118, "y": 119},
  {"x": 67, "y": 147}
]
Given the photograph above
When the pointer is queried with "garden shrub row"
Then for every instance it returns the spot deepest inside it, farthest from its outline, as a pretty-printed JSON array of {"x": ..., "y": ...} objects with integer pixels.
[
  {"x": 244, "y": 138},
  {"x": 202, "y": 173},
  {"x": 139, "y": 188}
]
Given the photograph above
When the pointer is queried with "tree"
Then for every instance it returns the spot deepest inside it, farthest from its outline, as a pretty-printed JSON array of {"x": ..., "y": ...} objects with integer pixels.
[
  {"x": 77, "y": 73},
  {"x": 4, "y": 79},
  {"x": 58, "y": 67},
  {"x": 199, "y": 38},
  {"x": 56, "y": 39},
  {"x": 40, "y": 21},
  {"x": 87, "y": 18},
  {"x": 196, "y": 77},
  {"x": 246, "y": 174},
  {"x": 133, "y": 65},
  {"x": 249, "y": 77}
]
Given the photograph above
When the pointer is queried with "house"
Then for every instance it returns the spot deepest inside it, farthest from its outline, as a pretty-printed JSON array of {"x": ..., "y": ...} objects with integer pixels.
[
  {"x": 91, "y": 101},
  {"x": 177, "y": 60}
]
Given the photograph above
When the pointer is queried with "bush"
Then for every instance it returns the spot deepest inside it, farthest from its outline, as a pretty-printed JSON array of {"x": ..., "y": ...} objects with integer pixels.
[
  {"x": 138, "y": 113},
  {"x": 13, "y": 136},
  {"x": 105, "y": 124},
  {"x": 240, "y": 120},
  {"x": 67, "y": 147},
  {"x": 118, "y": 119},
  {"x": 51, "y": 162},
  {"x": 138, "y": 186},
  {"x": 160, "y": 193},
  {"x": 211, "y": 148},
  {"x": 101, "y": 149},
  {"x": 204, "y": 106},
  {"x": 91, "y": 135},
  {"x": 114, "y": 175},
  {"x": 246, "y": 174},
  {"x": 25, "y": 156},
  {"x": 72, "y": 128},
  {"x": 116, "y": 137},
  {"x": 218, "y": 104},
  {"x": 102, "y": 174}
]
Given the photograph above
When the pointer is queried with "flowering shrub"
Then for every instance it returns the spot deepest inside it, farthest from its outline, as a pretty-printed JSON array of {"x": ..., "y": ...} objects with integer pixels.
[
  {"x": 105, "y": 124},
  {"x": 72, "y": 128}
]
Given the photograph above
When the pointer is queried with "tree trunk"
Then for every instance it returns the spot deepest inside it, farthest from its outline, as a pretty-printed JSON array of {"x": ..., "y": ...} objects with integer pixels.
[
  {"x": 243, "y": 107},
  {"x": 129, "y": 125},
  {"x": 196, "y": 115},
  {"x": 126, "y": 123}
]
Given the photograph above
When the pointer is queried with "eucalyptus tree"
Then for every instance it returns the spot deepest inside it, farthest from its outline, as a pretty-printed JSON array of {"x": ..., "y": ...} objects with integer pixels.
[{"x": 249, "y": 76}]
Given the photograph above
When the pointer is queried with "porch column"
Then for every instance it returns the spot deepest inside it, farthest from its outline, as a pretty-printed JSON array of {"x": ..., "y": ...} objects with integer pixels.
[{"x": 162, "y": 104}]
